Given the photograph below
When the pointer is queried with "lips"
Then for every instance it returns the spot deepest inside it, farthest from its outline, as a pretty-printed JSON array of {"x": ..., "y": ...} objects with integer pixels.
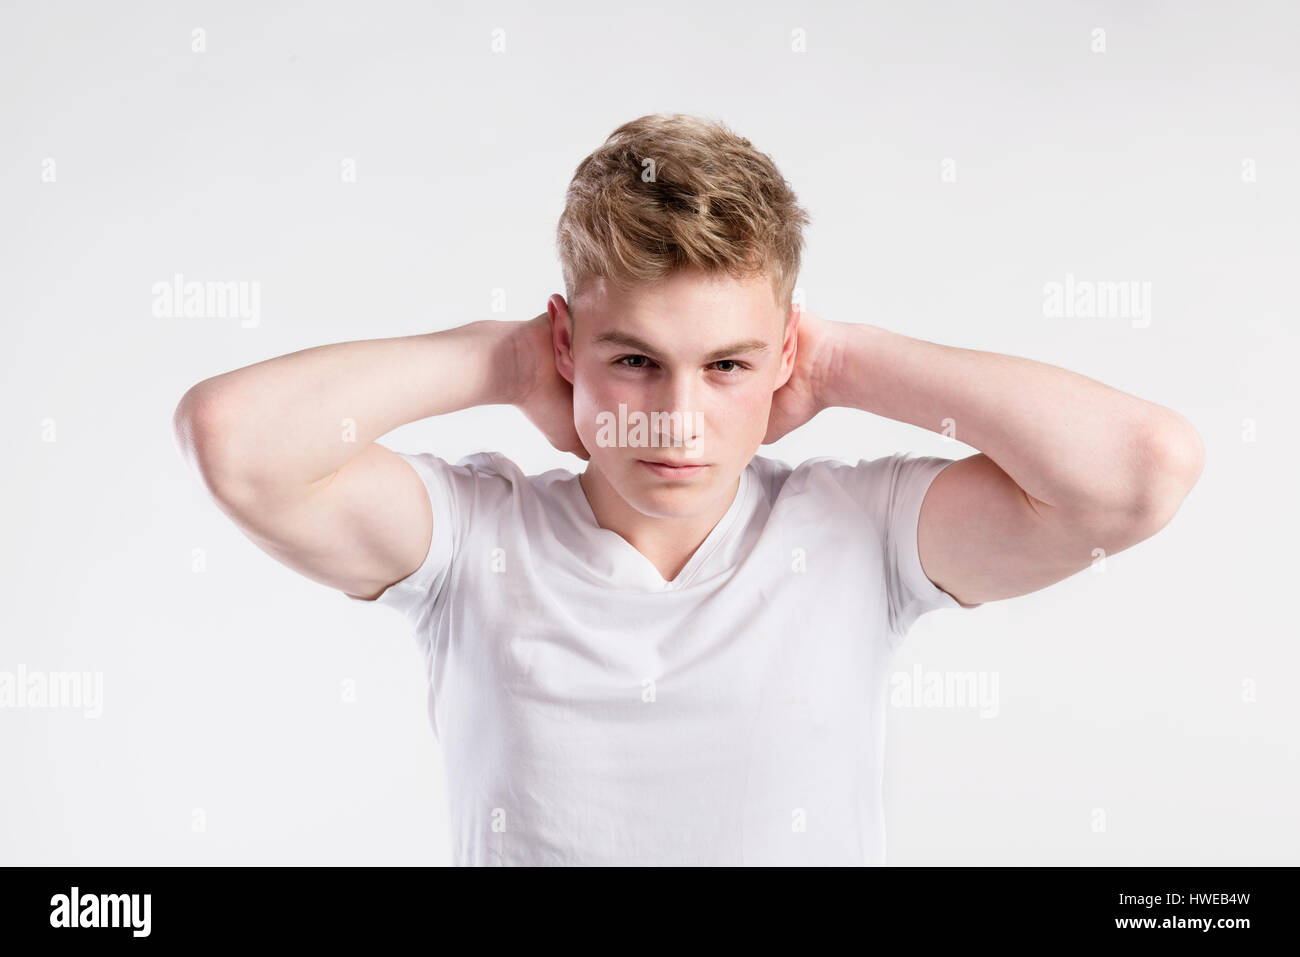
[{"x": 673, "y": 465}]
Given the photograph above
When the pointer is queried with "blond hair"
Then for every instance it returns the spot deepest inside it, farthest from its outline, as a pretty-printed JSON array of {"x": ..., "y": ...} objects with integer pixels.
[{"x": 672, "y": 191}]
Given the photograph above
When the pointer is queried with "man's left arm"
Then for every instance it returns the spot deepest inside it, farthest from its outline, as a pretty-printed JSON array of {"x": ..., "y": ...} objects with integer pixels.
[{"x": 1066, "y": 464}]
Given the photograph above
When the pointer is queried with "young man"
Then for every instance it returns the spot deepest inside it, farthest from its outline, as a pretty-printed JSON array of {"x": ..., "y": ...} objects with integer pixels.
[{"x": 678, "y": 656}]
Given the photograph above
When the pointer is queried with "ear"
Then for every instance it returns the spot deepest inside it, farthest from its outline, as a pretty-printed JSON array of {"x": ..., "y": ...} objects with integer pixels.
[
  {"x": 789, "y": 347},
  {"x": 561, "y": 335}
]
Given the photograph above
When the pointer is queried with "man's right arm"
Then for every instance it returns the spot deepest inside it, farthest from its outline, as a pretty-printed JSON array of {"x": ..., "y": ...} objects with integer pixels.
[{"x": 286, "y": 447}]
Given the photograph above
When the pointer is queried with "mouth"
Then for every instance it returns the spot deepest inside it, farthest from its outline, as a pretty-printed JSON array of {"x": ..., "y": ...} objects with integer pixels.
[{"x": 669, "y": 469}]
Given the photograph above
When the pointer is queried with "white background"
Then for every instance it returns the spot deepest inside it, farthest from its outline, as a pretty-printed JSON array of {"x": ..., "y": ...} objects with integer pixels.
[{"x": 1126, "y": 691}]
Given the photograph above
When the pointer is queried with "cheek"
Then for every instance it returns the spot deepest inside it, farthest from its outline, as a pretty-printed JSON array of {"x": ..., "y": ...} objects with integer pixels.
[
  {"x": 594, "y": 394},
  {"x": 740, "y": 410}
]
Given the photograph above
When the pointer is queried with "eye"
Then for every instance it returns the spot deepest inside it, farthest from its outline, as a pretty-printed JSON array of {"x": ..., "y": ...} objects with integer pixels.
[
  {"x": 645, "y": 362},
  {"x": 620, "y": 361},
  {"x": 738, "y": 367}
]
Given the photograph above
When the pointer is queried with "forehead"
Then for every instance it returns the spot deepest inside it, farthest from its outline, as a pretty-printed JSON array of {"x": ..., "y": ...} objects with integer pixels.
[{"x": 688, "y": 303}]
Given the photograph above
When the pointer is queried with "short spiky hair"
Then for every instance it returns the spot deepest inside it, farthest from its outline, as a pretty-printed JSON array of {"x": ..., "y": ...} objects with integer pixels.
[{"x": 672, "y": 191}]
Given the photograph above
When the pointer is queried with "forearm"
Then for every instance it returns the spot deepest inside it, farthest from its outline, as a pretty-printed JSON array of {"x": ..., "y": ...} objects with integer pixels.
[
  {"x": 298, "y": 418},
  {"x": 1065, "y": 439}
]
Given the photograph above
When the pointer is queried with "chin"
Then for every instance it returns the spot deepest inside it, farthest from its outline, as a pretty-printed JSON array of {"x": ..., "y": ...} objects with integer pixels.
[
  {"x": 671, "y": 503},
  {"x": 663, "y": 497}
]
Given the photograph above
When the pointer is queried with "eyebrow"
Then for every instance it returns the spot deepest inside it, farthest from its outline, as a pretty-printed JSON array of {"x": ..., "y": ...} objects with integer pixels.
[{"x": 632, "y": 342}]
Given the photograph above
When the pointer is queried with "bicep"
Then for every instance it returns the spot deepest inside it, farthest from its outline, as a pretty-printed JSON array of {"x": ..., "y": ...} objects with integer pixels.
[
  {"x": 982, "y": 538},
  {"x": 368, "y": 525}
]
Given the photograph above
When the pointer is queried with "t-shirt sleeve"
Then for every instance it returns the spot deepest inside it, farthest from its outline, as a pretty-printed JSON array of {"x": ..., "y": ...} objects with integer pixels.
[
  {"x": 447, "y": 486},
  {"x": 892, "y": 488}
]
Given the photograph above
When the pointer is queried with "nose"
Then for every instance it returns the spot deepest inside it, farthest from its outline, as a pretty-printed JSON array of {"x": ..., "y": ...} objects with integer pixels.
[{"x": 678, "y": 399}]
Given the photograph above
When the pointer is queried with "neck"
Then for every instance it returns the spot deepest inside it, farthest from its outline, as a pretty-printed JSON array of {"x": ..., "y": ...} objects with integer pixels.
[{"x": 668, "y": 542}]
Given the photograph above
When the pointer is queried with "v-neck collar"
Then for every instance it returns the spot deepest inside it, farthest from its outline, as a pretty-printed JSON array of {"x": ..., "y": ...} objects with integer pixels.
[{"x": 622, "y": 566}]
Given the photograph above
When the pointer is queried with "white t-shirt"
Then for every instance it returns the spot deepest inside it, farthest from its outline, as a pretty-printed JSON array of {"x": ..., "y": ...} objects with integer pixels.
[{"x": 591, "y": 713}]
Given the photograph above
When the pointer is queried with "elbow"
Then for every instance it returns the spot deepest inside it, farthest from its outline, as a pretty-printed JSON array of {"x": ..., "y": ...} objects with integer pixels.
[
  {"x": 202, "y": 427},
  {"x": 193, "y": 424},
  {"x": 1170, "y": 464}
]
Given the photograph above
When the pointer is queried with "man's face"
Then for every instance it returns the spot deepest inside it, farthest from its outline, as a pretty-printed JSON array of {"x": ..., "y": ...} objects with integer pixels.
[{"x": 679, "y": 371}]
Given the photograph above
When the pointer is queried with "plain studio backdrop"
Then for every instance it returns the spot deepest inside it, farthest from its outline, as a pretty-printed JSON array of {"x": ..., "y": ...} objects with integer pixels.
[{"x": 377, "y": 170}]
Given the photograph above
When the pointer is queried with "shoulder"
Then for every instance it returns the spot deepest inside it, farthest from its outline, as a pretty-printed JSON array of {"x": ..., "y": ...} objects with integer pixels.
[
  {"x": 867, "y": 482},
  {"x": 476, "y": 465},
  {"x": 501, "y": 466},
  {"x": 820, "y": 472},
  {"x": 483, "y": 478}
]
